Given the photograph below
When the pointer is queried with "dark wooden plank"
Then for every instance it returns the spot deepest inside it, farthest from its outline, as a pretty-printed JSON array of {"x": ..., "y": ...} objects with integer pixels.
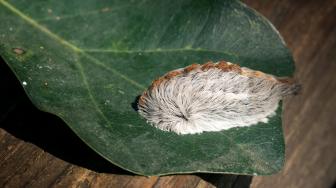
[
  {"x": 309, "y": 28},
  {"x": 31, "y": 158}
]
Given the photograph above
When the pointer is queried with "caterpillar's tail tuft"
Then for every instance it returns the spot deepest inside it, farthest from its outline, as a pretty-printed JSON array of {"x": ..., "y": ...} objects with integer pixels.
[{"x": 289, "y": 86}]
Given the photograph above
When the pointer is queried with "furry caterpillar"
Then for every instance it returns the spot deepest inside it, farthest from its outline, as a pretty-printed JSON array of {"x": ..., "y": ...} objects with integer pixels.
[{"x": 212, "y": 97}]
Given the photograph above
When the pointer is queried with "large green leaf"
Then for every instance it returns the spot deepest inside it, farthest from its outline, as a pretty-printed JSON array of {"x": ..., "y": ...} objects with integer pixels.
[{"x": 87, "y": 61}]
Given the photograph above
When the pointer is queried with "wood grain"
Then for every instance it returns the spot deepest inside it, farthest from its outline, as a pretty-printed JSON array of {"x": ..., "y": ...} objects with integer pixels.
[
  {"x": 38, "y": 150},
  {"x": 309, "y": 28}
]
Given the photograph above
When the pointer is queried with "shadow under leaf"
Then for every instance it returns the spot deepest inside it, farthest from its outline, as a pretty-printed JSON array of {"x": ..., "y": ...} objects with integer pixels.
[{"x": 19, "y": 117}]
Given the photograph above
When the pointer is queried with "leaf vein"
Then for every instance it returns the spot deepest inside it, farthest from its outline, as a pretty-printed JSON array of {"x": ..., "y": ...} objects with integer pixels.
[
  {"x": 80, "y": 14},
  {"x": 66, "y": 43},
  {"x": 157, "y": 50}
]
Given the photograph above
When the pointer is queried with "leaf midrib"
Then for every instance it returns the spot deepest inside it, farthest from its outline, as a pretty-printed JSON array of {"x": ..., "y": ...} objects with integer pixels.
[{"x": 83, "y": 52}]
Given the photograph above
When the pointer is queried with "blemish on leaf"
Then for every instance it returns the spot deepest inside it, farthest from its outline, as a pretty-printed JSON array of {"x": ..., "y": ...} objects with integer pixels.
[
  {"x": 48, "y": 67},
  {"x": 24, "y": 83},
  {"x": 188, "y": 47},
  {"x": 109, "y": 86},
  {"x": 18, "y": 51},
  {"x": 107, "y": 102},
  {"x": 105, "y": 9}
]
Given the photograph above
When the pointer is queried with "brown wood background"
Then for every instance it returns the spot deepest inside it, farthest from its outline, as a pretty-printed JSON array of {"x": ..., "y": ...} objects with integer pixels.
[{"x": 38, "y": 150}]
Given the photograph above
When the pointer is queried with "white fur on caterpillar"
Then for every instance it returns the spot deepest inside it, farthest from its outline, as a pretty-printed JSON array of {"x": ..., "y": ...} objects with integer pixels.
[{"x": 212, "y": 97}]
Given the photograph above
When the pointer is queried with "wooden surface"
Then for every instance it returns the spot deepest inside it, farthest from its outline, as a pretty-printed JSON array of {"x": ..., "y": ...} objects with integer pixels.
[
  {"x": 309, "y": 28},
  {"x": 38, "y": 150}
]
